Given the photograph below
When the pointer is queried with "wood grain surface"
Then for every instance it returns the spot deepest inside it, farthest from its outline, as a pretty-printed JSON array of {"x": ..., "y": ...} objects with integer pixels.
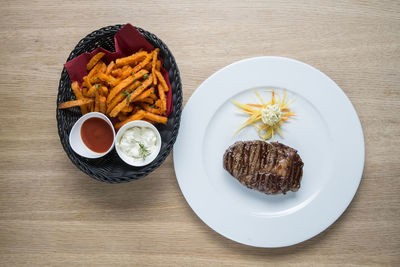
[{"x": 53, "y": 214}]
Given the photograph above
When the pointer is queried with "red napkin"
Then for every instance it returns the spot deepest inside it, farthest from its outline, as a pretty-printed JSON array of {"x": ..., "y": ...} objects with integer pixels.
[{"x": 128, "y": 40}]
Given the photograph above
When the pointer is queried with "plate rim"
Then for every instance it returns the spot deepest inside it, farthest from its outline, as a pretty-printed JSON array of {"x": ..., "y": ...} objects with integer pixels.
[{"x": 357, "y": 128}]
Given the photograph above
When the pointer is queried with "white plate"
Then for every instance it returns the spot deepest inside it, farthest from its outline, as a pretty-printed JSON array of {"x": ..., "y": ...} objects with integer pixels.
[{"x": 327, "y": 134}]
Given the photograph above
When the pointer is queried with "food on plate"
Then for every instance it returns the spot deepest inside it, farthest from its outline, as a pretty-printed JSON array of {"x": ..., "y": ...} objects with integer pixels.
[
  {"x": 271, "y": 168},
  {"x": 267, "y": 117},
  {"x": 129, "y": 88},
  {"x": 97, "y": 134},
  {"x": 138, "y": 142}
]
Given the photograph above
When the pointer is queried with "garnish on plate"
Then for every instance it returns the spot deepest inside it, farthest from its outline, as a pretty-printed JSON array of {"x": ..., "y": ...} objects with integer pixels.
[{"x": 267, "y": 117}]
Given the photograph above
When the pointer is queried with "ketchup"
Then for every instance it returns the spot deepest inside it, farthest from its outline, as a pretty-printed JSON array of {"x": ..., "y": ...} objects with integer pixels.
[{"x": 97, "y": 135}]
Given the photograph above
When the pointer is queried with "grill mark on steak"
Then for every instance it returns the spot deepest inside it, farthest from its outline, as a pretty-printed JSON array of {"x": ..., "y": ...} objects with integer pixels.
[
  {"x": 245, "y": 157},
  {"x": 251, "y": 151},
  {"x": 272, "y": 168},
  {"x": 236, "y": 154}
]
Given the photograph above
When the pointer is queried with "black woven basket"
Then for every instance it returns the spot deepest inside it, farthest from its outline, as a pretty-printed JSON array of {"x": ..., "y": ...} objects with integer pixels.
[{"x": 111, "y": 168}]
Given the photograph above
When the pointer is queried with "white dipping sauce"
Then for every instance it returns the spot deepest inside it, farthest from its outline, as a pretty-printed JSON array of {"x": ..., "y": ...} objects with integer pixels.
[{"x": 138, "y": 142}]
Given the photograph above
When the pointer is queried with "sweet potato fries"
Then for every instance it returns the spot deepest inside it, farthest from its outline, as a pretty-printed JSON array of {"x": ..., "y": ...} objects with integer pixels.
[{"x": 129, "y": 88}]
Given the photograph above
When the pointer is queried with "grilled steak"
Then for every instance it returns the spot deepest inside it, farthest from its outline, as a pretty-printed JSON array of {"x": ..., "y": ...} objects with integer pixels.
[{"x": 272, "y": 168}]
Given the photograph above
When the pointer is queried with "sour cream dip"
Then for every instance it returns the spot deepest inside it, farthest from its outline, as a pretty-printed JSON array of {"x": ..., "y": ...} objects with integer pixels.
[{"x": 138, "y": 142}]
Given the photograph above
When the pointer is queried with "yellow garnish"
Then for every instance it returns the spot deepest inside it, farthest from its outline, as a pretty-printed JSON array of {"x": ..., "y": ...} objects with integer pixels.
[{"x": 267, "y": 117}]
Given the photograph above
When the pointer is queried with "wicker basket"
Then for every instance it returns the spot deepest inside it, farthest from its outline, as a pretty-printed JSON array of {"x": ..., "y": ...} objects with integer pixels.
[{"x": 111, "y": 168}]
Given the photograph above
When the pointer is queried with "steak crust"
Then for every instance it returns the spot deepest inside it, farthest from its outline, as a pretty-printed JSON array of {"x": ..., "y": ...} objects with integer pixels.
[{"x": 272, "y": 168}]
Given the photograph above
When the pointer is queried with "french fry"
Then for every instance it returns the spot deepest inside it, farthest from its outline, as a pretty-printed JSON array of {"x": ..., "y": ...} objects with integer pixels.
[
  {"x": 162, "y": 81},
  {"x": 155, "y": 118},
  {"x": 116, "y": 73},
  {"x": 91, "y": 76},
  {"x": 125, "y": 73},
  {"x": 141, "y": 88},
  {"x": 103, "y": 104},
  {"x": 127, "y": 109},
  {"x": 104, "y": 91},
  {"x": 131, "y": 96},
  {"x": 148, "y": 108},
  {"x": 75, "y": 103},
  {"x": 140, "y": 74},
  {"x": 153, "y": 65},
  {"x": 78, "y": 94},
  {"x": 120, "y": 96},
  {"x": 158, "y": 103},
  {"x": 117, "y": 109},
  {"x": 110, "y": 67},
  {"x": 118, "y": 88},
  {"x": 107, "y": 78},
  {"x": 148, "y": 66},
  {"x": 103, "y": 68},
  {"x": 153, "y": 95},
  {"x": 125, "y": 83},
  {"x": 115, "y": 102},
  {"x": 84, "y": 91},
  {"x": 97, "y": 101},
  {"x": 122, "y": 116},
  {"x": 143, "y": 63},
  {"x": 131, "y": 59},
  {"x": 93, "y": 61},
  {"x": 92, "y": 90},
  {"x": 163, "y": 98},
  {"x": 145, "y": 94},
  {"x": 158, "y": 65},
  {"x": 136, "y": 116},
  {"x": 146, "y": 100},
  {"x": 77, "y": 90},
  {"x": 86, "y": 82}
]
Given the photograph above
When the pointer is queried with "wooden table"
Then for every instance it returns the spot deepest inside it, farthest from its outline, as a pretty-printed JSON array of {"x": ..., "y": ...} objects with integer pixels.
[{"x": 53, "y": 214}]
